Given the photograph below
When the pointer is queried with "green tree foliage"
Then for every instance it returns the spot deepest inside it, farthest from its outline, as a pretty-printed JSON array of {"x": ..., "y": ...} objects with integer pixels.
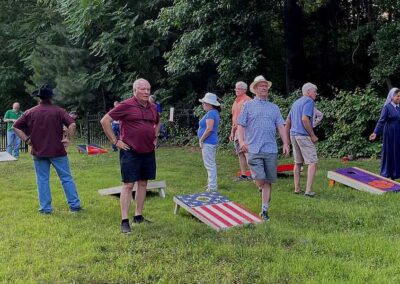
[
  {"x": 219, "y": 42},
  {"x": 120, "y": 47},
  {"x": 386, "y": 45},
  {"x": 92, "y": 50}
]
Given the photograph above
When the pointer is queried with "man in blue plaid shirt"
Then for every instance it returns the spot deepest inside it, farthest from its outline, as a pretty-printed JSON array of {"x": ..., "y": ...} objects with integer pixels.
[{"x": 257, "y": 126}]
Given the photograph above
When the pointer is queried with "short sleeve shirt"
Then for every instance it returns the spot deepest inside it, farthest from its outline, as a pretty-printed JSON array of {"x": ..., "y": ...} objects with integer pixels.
[
  {"x": 260, "y": 118},
  {"x": 137, "y": 124},
  {"x": 237, "y": 108},
  {"x": 213, "y": 137},
  {"x": 44, "y": 124},
  {"x": 303, "y": 106},
  {"x": 10, "y": 114}
]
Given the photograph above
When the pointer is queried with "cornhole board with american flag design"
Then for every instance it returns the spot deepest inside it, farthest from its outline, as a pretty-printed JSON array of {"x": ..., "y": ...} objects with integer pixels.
[
  {"x": 216, "y": 210},
  {"x": 363, "y": 180}
]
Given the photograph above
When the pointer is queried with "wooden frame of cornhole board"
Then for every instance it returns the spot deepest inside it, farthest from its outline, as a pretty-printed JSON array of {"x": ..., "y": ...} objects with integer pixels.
[
  {"x": 159, "y": 185},
  {"x": 6, "y": 157},
  {"x": 366, "y": 181}
]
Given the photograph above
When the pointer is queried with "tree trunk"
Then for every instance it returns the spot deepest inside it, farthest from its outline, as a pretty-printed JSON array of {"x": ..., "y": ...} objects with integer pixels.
[{"x": 295, "y": 58}]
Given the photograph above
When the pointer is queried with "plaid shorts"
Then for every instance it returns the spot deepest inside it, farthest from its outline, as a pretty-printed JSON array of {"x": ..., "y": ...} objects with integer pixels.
[{"x": 263, "y": 166}]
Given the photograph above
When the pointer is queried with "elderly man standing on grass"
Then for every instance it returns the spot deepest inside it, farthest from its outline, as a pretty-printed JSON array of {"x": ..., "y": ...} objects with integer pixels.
[
  {"x": 140, "y": 124},
  {"x": 13, "y": 140},
  {"x": 241, "y": 98},
  {"x": 299, "y": 125},
  {"x": 41, "y": 127},
  {"x": 257, "y": 126}
]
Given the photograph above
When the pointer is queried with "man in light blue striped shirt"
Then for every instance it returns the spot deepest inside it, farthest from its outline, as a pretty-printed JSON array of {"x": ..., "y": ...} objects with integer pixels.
[{"x": 257, "y": 126}]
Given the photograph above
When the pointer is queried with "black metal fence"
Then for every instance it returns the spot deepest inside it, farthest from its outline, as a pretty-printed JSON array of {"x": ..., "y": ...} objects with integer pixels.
[
  {"x": 3, "y": 139},
  {"x": 91, "y": 131},
  {"x": 186, "y": 118}
]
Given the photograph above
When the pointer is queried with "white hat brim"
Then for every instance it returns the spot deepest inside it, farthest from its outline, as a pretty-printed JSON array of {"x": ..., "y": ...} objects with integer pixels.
[
  {"x": 252, "y": 85},
  {"x": 209, "y": 102}
]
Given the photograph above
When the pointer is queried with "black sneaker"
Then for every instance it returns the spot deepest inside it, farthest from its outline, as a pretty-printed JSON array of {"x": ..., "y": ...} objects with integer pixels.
[
  {"x": 76, "y": 210},
  {"x": 264, "y": 215},
  {"x": 140, "y": 219},
  {"x": 125, "y": 228},
  {"x": 242, "y": 178}
]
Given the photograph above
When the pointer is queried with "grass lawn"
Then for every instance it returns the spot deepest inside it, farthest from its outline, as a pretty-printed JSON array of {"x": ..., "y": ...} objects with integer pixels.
[{"x": 342, "y": 235}]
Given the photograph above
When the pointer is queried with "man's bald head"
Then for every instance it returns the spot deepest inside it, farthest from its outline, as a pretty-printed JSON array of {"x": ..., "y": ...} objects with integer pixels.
[{"x": 16, "y": 106}]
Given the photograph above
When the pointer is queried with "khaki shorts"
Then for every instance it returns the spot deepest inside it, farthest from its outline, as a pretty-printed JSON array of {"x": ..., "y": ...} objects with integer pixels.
[{"x": 304, "y": 151}]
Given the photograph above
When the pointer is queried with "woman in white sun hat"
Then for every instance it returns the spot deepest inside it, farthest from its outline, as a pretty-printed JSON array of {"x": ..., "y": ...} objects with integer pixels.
[{"x": 208, "y": 137}]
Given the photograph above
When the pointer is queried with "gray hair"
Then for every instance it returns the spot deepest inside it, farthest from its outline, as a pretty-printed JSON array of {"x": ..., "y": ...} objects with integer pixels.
[
  {"x": 308, "y": 86},
  {"x": 241, "y": 85},
  {"x": 137, "y": 81}
]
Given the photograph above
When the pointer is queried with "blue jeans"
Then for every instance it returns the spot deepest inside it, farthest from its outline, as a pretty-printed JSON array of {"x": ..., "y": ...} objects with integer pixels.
[
  {"x": 13, "y": 141},
  {"x": 208, "y": 152},
  {"x": 42, "y": 170}
]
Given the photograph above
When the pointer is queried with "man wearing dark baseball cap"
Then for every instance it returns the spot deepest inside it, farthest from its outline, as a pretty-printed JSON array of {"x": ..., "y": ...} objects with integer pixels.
[{"x": 41, "y": 127}]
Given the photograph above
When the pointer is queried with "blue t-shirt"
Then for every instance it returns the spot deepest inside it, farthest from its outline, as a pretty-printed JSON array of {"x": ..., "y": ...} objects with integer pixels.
[
  {"x": 213, "y": 137},
  {"x": 302, "y": 106}
]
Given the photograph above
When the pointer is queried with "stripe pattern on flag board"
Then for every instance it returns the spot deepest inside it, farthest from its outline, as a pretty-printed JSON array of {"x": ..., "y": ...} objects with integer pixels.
[{"x": 216, "y": 210}]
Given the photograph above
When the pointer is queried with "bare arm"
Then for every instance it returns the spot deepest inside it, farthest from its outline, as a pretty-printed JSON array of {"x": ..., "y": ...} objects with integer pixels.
[
  {"x": 284, "y": 136},
  {"x": 157, "y": 130},
  {"x": 22, "y": 135},
  {"x": 233, "y": 131},
  {"x": 70, "y": 133},
  {"x": 233, "y": 127},
  {"x": 207, "y": 132},
  {"x": 308, "y": 126},
  {"x": 288, "y": 125},
  {"x": 106, "y": 124},
  {"x": 243, "y": 146}
]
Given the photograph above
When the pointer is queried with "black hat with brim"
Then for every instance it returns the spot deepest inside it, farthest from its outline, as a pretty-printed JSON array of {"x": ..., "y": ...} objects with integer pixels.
[{"x": 44, "y": 92}]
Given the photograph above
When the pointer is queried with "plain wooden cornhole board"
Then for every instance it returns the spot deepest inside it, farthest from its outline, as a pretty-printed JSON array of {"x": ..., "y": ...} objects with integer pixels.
[
  {"x": 363, "y": 180},
  {"x": 159, "y": 185},
  {"x": 5, "y": 157}
]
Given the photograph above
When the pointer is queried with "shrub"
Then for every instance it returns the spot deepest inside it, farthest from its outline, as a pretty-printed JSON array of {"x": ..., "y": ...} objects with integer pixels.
[{"x": 349, "y": 119}]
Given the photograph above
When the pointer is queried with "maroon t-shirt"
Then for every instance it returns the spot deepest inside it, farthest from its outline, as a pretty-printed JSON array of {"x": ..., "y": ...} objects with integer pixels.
[
  {"x": 44, "y": 124},
  {"x": 137, "y": 124}
]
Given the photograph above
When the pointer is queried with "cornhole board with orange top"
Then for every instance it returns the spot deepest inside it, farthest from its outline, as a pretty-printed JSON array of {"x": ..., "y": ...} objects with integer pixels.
[
  {"x": 154, "y": 185},
  {"x": 279, "y": 169},
  {"x": 216, "y": 210},
  {"x": 363, "y": 180},
  {"x": 91, "y": 149}
]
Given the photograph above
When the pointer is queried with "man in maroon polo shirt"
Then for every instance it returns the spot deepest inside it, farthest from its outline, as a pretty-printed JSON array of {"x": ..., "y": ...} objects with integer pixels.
[
  {"x": 41, "y": 127},
  {"x": 139, "y": 124}
]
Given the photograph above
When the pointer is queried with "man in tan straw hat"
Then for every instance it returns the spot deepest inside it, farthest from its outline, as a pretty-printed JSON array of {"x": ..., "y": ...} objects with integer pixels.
[{"x": 257, "y": 126}]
